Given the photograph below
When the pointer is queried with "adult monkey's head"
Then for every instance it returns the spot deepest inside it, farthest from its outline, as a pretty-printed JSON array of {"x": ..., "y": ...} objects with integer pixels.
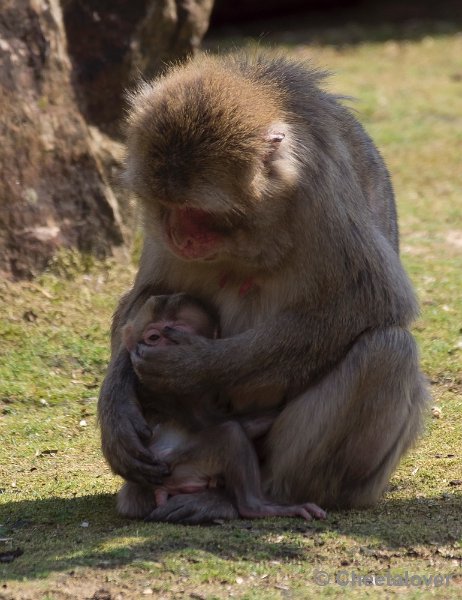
[{"x": 211, "y": 155}]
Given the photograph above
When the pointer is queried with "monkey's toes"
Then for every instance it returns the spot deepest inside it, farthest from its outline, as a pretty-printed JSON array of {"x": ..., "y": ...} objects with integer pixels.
[{"x": 315, "y": 511}]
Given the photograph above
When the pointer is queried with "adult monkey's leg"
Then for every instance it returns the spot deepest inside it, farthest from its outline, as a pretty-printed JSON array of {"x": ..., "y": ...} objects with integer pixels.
[{"x": 338, "y": 443}]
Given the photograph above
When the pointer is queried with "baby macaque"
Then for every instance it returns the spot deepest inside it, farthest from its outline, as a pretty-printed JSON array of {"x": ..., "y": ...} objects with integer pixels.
[{"x": 202, "y": 449}]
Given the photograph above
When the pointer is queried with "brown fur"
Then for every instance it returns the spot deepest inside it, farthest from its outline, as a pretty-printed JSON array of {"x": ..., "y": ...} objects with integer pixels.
[
  {"x": 192, "y": 434},
  {"x": 305, "y": 209}
]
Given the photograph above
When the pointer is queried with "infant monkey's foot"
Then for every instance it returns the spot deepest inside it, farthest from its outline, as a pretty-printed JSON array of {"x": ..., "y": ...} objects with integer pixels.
[{"x": 307, "y": 511}]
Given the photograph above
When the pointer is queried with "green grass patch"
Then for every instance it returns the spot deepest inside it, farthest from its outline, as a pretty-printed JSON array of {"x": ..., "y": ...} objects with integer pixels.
[{"x": 56, "y": 492}]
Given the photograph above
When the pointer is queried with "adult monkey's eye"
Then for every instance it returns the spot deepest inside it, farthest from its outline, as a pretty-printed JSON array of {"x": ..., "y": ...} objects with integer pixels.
[{"x": 154, "y": 337}]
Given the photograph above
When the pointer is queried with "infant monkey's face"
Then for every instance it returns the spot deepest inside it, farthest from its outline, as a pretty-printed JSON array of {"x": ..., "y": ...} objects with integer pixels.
[
  {"x": 188, "y": 319},
  {"x": 154, "y": 334},
  {"x": 160, "y": 315}
]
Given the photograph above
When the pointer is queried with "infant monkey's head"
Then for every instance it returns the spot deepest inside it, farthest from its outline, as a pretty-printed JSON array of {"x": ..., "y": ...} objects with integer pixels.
[{"x": 177, "y": 311}]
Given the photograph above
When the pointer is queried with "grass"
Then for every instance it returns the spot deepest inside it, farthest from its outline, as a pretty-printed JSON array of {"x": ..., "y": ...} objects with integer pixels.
[{"x": 57, "y": 494}]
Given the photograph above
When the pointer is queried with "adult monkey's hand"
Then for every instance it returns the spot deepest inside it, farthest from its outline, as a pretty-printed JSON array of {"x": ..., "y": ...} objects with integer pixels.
[
  {"x": 183, "y": 368},
  {"x": 124, "y": 431}
]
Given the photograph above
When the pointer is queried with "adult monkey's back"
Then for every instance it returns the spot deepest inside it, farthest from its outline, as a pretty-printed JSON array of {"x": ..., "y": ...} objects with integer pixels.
[{"x": 264, "y": 195}]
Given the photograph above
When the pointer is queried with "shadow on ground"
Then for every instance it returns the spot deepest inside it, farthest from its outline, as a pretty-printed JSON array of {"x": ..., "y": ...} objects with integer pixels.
[{"x": 51, "y": 535}]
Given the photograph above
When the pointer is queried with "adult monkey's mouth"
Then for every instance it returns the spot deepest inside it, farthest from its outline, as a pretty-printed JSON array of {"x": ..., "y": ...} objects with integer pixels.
[{"x": 192, "y": 233}]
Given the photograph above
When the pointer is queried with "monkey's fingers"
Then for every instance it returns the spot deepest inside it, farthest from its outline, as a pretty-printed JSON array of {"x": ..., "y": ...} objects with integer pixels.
[
  {"x": 151, "y": 373},
  {"x": 314, "y": 510},
  {"x": 143, "y": 431},
  {"x": 140, "y": 429},
  {"x": 194, "y": 509},
  {"x": 149, "y": 360},
  {"x": 179, "y": 337},
  {"x": 301, "y": 512},
  {"x": 143, "y": 367},
  {"x": 308, "y": 511},
  {"x": 178, "y": 509},
  {"x": 138, "y": 452},
  {"x": 172, "y": 514},
  {"x": 159, "y": 359},
  {"x": 135, "y": 460},
  {"x": 160, "y": 371},
  {"x": 143, "y": 473},
  {"x": 130, "y": 437}
]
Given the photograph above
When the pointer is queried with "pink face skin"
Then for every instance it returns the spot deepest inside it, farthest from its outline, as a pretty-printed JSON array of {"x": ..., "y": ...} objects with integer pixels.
[
  {"x": 153, "y": 334},
  {"x": 189, "y": 319},
  {"x": 191, "y": 234}
]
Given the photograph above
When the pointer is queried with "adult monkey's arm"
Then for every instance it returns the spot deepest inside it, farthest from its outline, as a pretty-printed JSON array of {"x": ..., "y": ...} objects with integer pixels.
[{"x": 124, "y": 431}]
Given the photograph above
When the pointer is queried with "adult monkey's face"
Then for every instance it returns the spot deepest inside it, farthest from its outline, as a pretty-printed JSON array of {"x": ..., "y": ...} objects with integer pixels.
[{"x": 211, "y": 157}]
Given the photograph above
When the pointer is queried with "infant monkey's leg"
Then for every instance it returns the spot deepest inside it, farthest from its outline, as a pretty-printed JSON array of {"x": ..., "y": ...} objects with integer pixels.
[
  {"x": 241, "y": 472},
  {"x": 227, "y": 450}
]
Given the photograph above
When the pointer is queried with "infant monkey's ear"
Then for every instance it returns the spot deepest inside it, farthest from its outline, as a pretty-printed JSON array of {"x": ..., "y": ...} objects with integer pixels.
[{"x": 128, "y": 337}]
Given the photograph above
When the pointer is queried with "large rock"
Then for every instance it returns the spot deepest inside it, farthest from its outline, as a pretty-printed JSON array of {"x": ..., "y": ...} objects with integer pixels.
[
  {"x": 112, "y": 41},
  {"x": 53, "y": 192},
  {"x": 59, "y": 175}
]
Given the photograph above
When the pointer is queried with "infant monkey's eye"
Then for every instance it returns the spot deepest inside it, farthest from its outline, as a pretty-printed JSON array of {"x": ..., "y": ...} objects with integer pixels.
[{"x": 152, "y": 335}]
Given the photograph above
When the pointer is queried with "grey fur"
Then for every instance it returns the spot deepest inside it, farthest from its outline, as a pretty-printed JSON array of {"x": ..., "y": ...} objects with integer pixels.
[{"x": 329, "y": 314}]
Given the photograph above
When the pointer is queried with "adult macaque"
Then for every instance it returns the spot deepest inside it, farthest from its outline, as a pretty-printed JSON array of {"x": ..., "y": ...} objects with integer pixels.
[
  {"x": 264, "y": 196},
  {"x": 191, "y": 435}
]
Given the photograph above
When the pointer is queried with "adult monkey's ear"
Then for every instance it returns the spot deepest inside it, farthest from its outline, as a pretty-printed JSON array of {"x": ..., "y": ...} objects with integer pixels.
[
  {"x": 274, "y": 136},
  {"x": 279, "y": 157}
]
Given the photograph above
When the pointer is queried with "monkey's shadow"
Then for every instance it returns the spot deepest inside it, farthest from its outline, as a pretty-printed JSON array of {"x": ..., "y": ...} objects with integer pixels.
[{"x": 54, "y": 536}]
